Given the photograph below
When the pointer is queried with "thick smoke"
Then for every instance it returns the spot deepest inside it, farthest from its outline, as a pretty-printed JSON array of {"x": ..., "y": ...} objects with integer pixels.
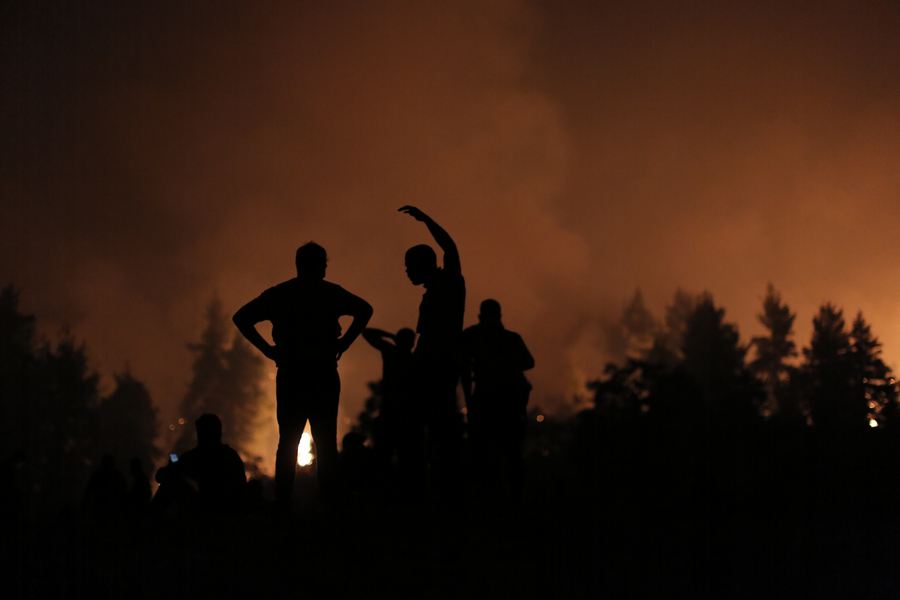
[{"x": 153, "y": 156}]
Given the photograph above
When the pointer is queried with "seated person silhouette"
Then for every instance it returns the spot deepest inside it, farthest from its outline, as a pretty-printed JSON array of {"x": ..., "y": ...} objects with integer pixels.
[
  {"x": 398, "y": 429},
  {"x": 208, "y": 479},
  {"x": 494, "y": 360},
  {"x": 106, "y": 491},
  {"x": 437, "y": 353},
  {"x": 304, "y": 313}
]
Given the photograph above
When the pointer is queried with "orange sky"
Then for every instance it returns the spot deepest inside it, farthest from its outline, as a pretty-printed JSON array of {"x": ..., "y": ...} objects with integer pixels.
[{"x": 154, "y": 154}]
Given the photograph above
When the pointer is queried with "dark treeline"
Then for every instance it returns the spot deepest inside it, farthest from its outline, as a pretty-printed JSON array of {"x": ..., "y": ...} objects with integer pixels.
[
  {"x": 56, "y": 424},
  {"x": 739, "y": 469},
  {"x": 705, "y": 467},
  {"x": 691, "y": 367},
  {"x": 716, "y": 467}
]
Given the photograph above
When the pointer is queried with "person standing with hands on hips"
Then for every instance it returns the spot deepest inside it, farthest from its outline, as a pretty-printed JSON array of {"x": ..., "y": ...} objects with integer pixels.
[{"x": 304, "y": 313}]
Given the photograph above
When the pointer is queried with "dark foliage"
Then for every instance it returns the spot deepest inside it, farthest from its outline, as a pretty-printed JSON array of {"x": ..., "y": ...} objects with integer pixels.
[
  {"x": 227, "y": 375},
  {"x": 128, "y": 423},
  {"x": 53, "y": 419},
  {"x": 772, "y": 364}
]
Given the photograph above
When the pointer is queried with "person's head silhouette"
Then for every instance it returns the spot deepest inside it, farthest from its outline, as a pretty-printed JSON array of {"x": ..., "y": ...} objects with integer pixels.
[
  {"x": 490, "y": 312},
  {"x": 405, "y": 338},
  {"x": 421, "y": 264},
  {"x": 311, "y": 261},
  {"x": 209, "y": 429}
]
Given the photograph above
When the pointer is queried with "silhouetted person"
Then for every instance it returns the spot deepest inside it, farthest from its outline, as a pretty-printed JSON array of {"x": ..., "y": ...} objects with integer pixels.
[
  {"x": 304, "y": 313},
  {"x": 104, "y": 497},
  {"x": 141, "y": 492},
  {"x": 495, "y": 360},
  {"x": 398, "y": 429},
  {"x": 215, "y": 469},
  {"x": 437, "y": 353}
]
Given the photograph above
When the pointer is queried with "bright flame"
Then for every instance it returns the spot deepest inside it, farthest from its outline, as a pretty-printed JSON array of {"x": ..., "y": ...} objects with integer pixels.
[
  {"x": 304, "y": 456},
  {"x": 873, "y": 423}
]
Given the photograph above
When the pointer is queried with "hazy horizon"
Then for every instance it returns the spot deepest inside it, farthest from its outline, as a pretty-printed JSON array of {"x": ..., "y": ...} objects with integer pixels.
[{"x": 154, "y": 155}]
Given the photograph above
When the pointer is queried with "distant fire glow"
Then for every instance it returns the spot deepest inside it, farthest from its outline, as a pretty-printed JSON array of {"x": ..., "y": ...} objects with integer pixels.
[
  {"x": 304, "y": 454},
  {"x": 873, "y": 423}
]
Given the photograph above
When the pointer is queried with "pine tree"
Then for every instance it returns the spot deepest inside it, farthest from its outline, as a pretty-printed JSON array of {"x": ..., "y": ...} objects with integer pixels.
[
  {"x": 67, "y": 401},
  {"x": 638, "y": 328},
  {"x": 828, "y": 372},
  {"x": 241, "y": 393},
  {"x": 19, "y": 417},
  {"x": 128, "y": 423},
  {"x": 773, "y": 352},
  {"x": 714, "y": 359},
  {"x": 668, "y": 345},
  {"x": 227, "y": 381},
  {"x": 208, "y": 374},
  {"x": 872, "y": 381}
]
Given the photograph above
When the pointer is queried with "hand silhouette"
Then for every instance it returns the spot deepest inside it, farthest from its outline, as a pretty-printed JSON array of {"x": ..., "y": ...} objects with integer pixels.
[
  {"x": 414, "y": 212},
  {"x": 342, "y": 346},
  {"x": 273, "y": 353}
]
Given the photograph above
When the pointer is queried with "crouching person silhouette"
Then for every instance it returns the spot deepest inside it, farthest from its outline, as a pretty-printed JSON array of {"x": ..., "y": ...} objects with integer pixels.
[
  {"x": 304, "y": 313},
  {"x": 216, "y": 470}
]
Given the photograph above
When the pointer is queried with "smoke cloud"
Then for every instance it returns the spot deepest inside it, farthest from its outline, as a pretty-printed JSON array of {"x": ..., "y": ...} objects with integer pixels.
[{"x": 157, "y": 153}]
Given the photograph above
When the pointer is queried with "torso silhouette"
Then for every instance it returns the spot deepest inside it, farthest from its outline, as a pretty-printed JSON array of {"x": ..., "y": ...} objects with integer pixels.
[
  {"x": 441, "y": 316},
  {"x": 304, "y": 316},
  {"x": 498, "y": 359},
  {"x": 219, "y": 472}
]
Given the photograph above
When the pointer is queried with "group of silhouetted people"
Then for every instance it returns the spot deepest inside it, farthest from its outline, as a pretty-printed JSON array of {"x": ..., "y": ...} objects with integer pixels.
[
  {"x": 109, "y": 497},
  {"x": 420, "y": 429}
]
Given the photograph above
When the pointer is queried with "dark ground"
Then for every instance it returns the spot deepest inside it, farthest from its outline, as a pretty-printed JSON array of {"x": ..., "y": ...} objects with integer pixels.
[{"x": 620, "y": 515}]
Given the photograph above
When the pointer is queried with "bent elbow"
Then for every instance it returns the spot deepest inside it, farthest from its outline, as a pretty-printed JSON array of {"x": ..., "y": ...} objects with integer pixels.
[{"x": 365, "y": 311}]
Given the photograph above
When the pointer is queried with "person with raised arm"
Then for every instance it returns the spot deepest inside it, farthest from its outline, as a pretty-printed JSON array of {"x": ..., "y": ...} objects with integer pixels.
[
  {"x": 437, "y": 353},
  {"x": 304, "y": 313}
]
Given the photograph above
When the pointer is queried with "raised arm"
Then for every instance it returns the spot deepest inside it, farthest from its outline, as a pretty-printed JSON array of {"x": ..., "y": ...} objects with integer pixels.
[
  {"x": 378, "y": 338},
  {"x": 443, "y": 239}
]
